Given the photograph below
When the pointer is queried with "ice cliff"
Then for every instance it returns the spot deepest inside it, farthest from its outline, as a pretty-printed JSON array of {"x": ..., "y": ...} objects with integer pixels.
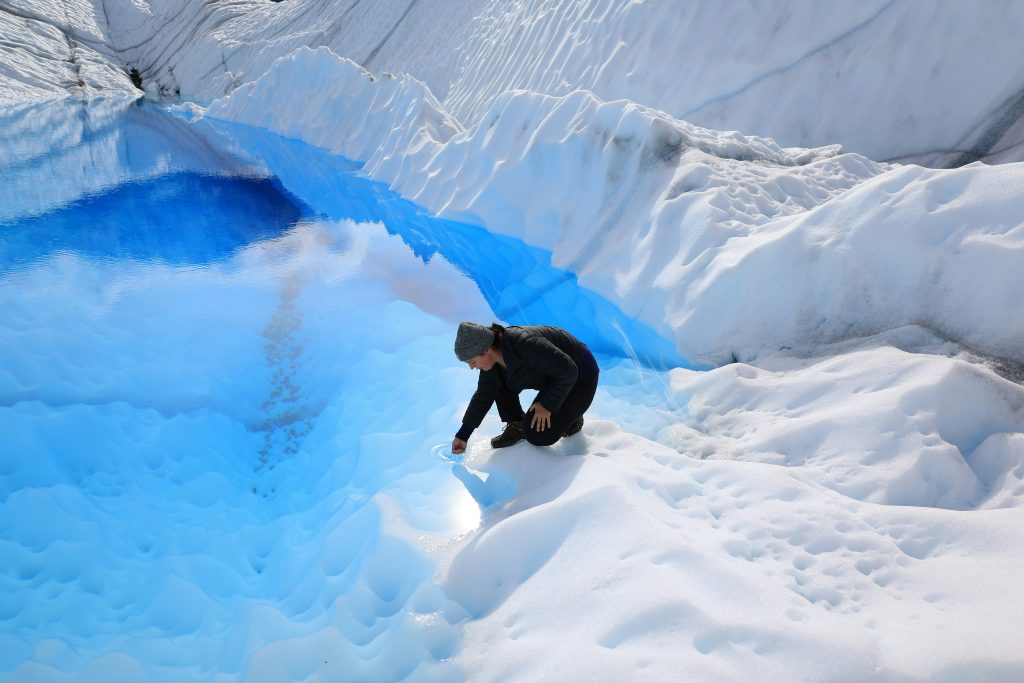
[{"x": 934, "y": 82}]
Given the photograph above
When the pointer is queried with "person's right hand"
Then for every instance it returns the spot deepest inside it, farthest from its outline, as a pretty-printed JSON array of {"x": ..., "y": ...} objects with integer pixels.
[{"x": 458, "y": 446}]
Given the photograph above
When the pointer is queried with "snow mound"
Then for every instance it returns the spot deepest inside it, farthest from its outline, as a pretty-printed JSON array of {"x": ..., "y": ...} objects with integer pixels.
[
  {"x": 876, "y": 424},
  {"x": 935, "y": 248}
]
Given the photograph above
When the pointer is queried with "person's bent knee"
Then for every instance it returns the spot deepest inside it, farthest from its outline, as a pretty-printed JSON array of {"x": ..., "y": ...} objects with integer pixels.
[{"x": 545, "y": 438}]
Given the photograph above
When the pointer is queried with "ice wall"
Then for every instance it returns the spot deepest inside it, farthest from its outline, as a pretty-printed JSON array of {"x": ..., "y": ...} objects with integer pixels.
[
  {"x": 56, "y": 49},
  {"x": 890, "y": 80},
  {"x": 933, "y": 82}
]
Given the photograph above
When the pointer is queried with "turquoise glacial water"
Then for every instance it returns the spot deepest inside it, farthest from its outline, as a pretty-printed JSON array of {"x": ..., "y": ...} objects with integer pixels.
[{"x": 225, "y": 359}]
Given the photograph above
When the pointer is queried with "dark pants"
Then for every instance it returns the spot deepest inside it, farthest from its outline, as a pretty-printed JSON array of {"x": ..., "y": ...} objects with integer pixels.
[{"x": 575, "y": 404}]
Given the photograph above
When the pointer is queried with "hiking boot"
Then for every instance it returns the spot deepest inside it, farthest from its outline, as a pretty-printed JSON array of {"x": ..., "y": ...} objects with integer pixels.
[
  {"x": 574, "y": 428},
  {"x": 512, "y": 434}
]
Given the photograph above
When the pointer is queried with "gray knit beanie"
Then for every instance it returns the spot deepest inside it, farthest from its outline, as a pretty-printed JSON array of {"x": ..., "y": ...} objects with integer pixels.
[{"x": 472, "y": 340}]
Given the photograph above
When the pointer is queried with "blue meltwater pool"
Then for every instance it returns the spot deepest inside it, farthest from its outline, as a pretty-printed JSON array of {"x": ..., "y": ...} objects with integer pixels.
[{"x": 226, "y": 380}]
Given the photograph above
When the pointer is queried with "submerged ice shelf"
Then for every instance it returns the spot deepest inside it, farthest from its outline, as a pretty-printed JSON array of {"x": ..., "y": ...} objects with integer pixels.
[{"x": 216, "y": 379}]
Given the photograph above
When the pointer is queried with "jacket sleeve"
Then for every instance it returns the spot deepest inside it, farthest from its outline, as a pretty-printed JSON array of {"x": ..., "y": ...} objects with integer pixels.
[
  {"x": 540, "y": 354},
  {"x": 483, "y": 399}
]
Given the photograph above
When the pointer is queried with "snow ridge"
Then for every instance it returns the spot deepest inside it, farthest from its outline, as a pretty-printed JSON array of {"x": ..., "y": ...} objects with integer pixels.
[{"x": 699, "y": 214}]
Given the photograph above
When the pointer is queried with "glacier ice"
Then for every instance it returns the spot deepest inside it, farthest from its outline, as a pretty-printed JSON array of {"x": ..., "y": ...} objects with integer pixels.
[{"x": 840, "y": 502}]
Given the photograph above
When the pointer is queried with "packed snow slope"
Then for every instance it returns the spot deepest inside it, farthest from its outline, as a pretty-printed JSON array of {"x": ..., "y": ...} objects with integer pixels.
[{"x": 934, "y": 82}]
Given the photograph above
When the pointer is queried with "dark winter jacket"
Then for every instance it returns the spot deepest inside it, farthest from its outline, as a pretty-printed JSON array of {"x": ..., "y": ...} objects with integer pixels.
[{"x": 536, "y": 357}]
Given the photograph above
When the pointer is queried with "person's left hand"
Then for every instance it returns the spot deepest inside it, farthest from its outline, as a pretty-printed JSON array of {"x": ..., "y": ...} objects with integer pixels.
[{"x": 541, "y": 417}]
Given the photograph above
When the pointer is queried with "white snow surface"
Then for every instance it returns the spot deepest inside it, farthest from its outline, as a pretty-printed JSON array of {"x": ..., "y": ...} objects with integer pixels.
[
  {"x": 636, "y": 563},
  {"x": 844, "y": 503}
]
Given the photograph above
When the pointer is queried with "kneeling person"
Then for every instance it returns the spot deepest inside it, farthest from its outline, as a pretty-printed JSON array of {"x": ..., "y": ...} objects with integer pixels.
[{"x": 511, "y": 359}]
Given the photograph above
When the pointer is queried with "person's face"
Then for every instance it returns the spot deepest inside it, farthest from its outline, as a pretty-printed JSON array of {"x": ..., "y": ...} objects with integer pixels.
[{"x": 485, "y": 361}]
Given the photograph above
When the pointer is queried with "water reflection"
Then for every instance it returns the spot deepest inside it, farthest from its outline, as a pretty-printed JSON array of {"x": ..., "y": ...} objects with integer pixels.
[
  {"x": 181, "y": 218},
  {"x": 56, "y": 152}
]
